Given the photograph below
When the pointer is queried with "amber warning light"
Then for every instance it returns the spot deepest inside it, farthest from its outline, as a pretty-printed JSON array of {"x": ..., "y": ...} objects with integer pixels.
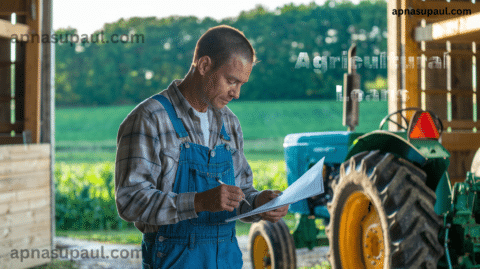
[{"x": 424, "y": 127}]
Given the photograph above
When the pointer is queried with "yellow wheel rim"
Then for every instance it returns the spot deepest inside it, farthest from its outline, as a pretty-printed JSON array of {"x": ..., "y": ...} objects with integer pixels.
[
  {"x": 361, "y": 242},
  {"x": 261, "y": 255}
]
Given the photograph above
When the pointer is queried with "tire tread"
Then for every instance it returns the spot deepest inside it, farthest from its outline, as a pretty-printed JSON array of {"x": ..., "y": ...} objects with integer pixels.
[{"x": 407, "y": 202}]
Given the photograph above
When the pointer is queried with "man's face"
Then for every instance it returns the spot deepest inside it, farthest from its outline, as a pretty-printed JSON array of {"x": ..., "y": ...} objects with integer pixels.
[{"x": 223, "y": 84}]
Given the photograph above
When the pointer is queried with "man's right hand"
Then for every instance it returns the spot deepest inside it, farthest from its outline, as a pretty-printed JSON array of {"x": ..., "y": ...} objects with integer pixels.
[{"x": 223, "y": 197}]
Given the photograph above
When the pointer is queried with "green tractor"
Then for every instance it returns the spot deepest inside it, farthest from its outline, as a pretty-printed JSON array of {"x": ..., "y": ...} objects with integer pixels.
[{"x": 388, "y": 200}]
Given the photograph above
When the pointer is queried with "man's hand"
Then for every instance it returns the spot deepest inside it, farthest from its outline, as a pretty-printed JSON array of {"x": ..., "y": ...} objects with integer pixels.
[
  {"x": 223, "y": 197},
  {"x": 274, "y": 215}
]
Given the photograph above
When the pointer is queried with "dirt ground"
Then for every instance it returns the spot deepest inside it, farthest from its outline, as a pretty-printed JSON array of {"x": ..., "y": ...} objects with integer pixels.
[{"x": 305, "y": 257}]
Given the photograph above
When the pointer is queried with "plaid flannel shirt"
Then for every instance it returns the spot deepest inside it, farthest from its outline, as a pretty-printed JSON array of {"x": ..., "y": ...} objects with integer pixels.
[{"x": 147, "y": 157}]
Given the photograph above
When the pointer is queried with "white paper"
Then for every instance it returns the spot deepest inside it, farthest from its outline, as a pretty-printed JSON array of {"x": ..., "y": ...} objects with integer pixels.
[{"x": 308, "y": 185}]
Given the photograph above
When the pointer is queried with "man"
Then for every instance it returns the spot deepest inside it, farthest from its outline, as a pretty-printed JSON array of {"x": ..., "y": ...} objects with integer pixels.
[{"x": 180, "y": 167}]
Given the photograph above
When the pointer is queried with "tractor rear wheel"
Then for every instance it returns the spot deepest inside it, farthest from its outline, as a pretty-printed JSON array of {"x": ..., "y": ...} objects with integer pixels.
[
  {"x": 272, "y": 246},
  {"x": 382, "y": 215}
]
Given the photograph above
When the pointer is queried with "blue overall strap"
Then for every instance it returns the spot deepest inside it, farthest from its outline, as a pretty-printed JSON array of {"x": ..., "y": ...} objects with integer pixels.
[
  {"x": 177, "y": 123},
  {"x": 224, "y": 133}
]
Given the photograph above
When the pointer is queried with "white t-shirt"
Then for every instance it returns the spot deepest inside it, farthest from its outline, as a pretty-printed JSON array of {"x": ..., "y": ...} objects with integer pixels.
[{"x": 204, "y": 125}]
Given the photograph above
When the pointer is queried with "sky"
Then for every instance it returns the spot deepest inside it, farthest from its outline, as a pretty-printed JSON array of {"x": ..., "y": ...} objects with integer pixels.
[{"x": 90, "y": 15}]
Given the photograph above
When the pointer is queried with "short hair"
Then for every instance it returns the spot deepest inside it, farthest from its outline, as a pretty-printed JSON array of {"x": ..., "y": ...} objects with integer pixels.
[{"x": 221, "y": 42}]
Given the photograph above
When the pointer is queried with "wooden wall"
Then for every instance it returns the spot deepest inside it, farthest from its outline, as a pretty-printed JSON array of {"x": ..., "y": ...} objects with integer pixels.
[
  {"x": 25, "y": 216},
  {"x": 442, "y": 77},
  {"x": 27, "y": 213}
]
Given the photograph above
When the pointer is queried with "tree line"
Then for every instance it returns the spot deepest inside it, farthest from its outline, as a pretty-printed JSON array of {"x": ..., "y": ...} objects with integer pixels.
[{"x": 301, "y": 52}]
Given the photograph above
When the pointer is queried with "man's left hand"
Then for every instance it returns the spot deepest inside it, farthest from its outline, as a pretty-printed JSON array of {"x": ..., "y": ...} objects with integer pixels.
[{"x": 274, "y": 215}]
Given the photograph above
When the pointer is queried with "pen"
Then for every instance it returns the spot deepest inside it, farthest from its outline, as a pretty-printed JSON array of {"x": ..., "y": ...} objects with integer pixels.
[{"x": 221, "y": 182}]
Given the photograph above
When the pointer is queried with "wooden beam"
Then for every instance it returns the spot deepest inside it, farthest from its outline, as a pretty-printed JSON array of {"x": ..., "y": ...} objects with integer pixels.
[
  {"x": 8, "y": 13},
  {"x": 462, "y": 147},
  {"x": 8, "y": 127},
  {"x": 464, "y": 92},
  {"x": 444, "y": 6},
  {"x": 444, "y": 9},
  {"x": 47, "y": 128},
  {"x": 7, "y": 29},
  {"x": 461, "y": 124},
  {"x": 461, "y": 29},
  {"x": 9, "y": 140},
  {"x": 410, "y": 49},
  {"x": 22, "y": 153},
  {"x": 16, "y": 182},
  {"x": 13, "y": 6},
  {"x": 33, "y": 76},
  {"x": 443, "y": 53},
  {"x": 24, "y": 166},
  {"x": 461, "y": 141},
  {"x": 19, "y": 232},
  {"x": 5, "y": 99},
  {"x": 393, "y": 50},
  {"x": 34, "y": 215},
  {"x": 47, "y": 78}
]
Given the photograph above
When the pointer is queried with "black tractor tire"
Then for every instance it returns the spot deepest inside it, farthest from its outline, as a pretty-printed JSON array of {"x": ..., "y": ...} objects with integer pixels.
[
  {"x": 272, "y": 246},
  {"x": 406, "y": 227}
]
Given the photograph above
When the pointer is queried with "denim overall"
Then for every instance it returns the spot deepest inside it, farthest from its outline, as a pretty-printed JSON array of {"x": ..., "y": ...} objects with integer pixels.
[{"x": 203, "y": 242}]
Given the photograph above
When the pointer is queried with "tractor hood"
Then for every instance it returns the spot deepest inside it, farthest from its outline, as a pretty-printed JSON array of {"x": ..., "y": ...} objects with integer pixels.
[{"x": 317, "y": 138}]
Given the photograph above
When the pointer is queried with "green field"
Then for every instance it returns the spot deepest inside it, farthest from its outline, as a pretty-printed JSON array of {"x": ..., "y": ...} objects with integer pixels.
[{"x": 88, "y": 134}]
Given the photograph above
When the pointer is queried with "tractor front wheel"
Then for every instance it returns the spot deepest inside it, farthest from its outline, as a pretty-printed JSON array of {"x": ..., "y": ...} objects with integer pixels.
[
  {"x": 272, "y": 246},
  {"x": 382, "y": 215}
]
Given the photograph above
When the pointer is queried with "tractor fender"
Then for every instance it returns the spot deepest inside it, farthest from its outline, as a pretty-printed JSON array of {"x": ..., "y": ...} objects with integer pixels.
[{"x": 387, "y": 142}]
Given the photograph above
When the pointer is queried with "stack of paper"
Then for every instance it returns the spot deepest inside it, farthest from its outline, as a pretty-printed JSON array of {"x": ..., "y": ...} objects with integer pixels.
[{"x": 308, "y": 185}]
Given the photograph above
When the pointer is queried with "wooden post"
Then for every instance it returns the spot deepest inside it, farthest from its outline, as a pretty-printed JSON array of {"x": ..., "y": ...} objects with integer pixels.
[
  {"x": 410, "y": 67},
  {"x": 32, "y": 71},
  {"x": 48, "y": 105},
  {"x": 393, "y": 56},
  {"x": 7, "y": 30},
  {"x": 47, "y": 81}
]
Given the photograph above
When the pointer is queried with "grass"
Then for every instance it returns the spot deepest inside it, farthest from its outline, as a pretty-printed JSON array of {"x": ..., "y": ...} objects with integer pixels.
[
  {"x": 57, "y": 264},
  {"x": 88, "y": 135},
  {"x": 89, "y": 123},
  {"x": 101, "y": 151},
  {"x": 259, "y": 120},
  {"x": 126, "y": 237},
  {"x": 323, "y": 265},
  {"x": 134, "y": 236}
]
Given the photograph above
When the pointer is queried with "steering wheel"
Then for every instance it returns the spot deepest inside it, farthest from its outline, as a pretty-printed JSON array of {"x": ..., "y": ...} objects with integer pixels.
[{"x": 388, "y": 118}]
